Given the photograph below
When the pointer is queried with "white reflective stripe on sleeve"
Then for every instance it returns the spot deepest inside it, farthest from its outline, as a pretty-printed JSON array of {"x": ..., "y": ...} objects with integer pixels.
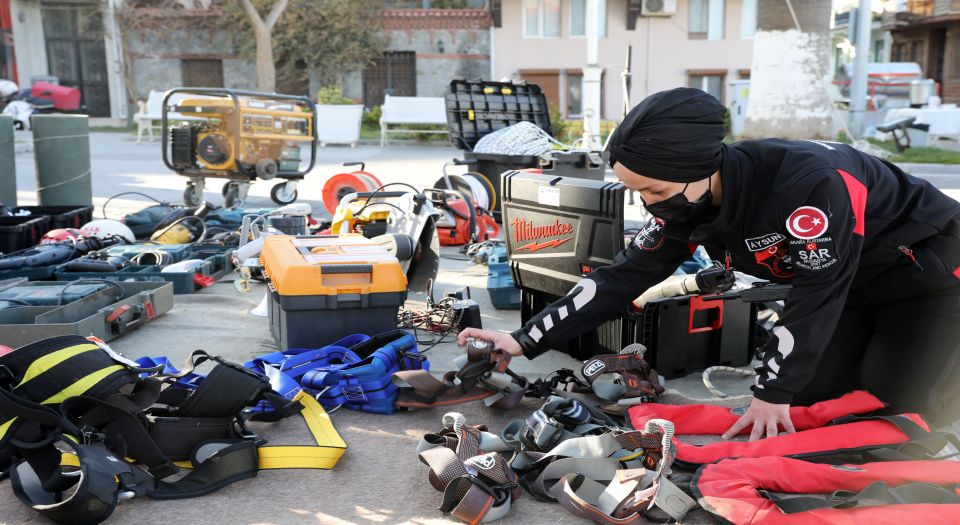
[
  {"x": 772, "y": 365},
  {"x": 588, "y": 291},
  {"x": 770, "y": 375},
  {"x": 562, "y": 312},
  {"x": 784, "y": 341},
  {"x": 756, "y": 381},
  {"x": 547, "y": 323},
  {"x": 535, "y": 334}
]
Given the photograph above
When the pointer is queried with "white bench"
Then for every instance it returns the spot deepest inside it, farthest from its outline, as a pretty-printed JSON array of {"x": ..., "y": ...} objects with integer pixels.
[
  {"x": 151, "y": 111},
  {"x": 412, "y": 110},
  {"x": 147, "y": 113}
]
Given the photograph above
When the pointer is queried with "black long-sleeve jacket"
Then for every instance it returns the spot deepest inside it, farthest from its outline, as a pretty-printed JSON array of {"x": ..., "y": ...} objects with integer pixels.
[{"x": 820, "y": 215}]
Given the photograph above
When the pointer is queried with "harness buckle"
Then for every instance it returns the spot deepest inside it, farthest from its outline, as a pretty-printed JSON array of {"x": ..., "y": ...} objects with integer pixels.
[
  {"x": 320, "y": 394},
  {"x": 246, "y": 433},
  {"x": 89, "y": 434}
]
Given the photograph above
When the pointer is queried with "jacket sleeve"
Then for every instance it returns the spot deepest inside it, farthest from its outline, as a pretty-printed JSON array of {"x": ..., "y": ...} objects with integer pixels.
[
  {"x": 649, "y": 259},
  {"x": 824, "y": 242}
]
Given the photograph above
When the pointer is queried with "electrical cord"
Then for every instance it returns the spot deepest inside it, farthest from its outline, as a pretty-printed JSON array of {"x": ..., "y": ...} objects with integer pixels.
[
  {"x": 376, "y": 191},
  {"x": 90, "y": 281},
  {"x": 103, "y": 209}
]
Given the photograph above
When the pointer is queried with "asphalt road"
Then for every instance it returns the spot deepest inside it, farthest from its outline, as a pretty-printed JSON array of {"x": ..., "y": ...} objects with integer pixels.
[{"x": 118, "y": 165}]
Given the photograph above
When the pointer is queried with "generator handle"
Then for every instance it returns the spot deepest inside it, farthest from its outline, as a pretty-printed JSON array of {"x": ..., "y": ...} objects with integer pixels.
[{"x": 361, "y": 164}]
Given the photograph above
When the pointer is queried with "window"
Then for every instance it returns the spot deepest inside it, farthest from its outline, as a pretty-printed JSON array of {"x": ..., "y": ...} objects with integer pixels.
[
  {"x": 578, "y": 18},
  {"x": 878, "y": 48},
  {"x": 748, "y": 19},
  {"x": 202, "y": 72},
  {"x": 574, "y": 94},
  {"x": 708, "y": 80},
  {"x": 706, "y": 19},
  {"x": 541, "y": 18}
]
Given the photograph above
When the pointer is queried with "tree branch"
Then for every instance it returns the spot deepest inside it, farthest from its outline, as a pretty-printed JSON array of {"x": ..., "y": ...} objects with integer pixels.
[
  {"x": 253, "y": 15},
  {"x": 275, "y": 12}
]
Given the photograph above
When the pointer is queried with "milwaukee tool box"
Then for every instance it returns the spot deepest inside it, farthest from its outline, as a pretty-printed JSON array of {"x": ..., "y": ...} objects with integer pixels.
[
  {"x": 557, "y": 230},
  {"x": 325, "y": 287}
]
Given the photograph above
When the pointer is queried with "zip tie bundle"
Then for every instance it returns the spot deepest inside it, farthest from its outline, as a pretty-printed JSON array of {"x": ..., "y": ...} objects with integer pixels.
[{"x": 522, "y": 138}]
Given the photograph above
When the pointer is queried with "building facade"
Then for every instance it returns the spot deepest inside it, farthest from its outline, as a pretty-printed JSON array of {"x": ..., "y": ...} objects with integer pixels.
[
  {"x": 698, "y": 43},
  {"x": 426, "y": 48},
  {"x": 928, "y": 32}
]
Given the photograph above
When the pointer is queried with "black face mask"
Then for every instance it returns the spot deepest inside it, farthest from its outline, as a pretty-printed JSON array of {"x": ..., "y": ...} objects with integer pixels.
[{"x": 678, "y": 208}]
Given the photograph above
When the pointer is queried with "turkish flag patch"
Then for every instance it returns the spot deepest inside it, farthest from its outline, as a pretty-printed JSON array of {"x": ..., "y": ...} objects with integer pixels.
[{"x": 807, "y": 222}]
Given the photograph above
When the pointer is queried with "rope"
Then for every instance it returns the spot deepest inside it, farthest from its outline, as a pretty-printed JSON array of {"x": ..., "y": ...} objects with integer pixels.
[
  {"x": 41, "y": 139},
  {"x": 522, "y": 138},
  {"x": 709, "y": 384},
  {"x": 61, "y": 183}
]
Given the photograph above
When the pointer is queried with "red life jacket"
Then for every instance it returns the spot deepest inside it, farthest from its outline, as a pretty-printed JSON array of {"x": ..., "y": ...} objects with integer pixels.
[
  {"x": 714, "y": 420},
  {"x": 741, "y": 491},
  {"x": 819, "y": 432}
]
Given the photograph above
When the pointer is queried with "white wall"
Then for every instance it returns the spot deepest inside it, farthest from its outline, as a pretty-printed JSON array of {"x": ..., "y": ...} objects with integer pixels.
[
  {"x": 28, "y": 42},
  {"x": 662, "y": 51}
]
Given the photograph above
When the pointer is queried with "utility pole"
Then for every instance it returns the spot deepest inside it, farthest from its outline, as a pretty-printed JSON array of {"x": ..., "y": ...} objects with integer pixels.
[
  {"x": 858, "y": 85},
  {"x": 591, "y": 79}
]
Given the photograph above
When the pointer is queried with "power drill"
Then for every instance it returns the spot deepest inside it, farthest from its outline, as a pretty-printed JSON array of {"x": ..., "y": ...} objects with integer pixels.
[
  {"x": 49, "y": 254},
  {"x": 179, "y": 228}
]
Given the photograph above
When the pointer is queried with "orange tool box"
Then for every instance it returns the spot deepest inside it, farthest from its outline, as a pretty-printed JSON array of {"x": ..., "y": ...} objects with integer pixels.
[{"x": 325, "y": 287}]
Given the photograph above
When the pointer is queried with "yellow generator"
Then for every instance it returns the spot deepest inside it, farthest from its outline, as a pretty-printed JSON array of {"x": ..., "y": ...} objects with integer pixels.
[{"x": 240, "y": 136}]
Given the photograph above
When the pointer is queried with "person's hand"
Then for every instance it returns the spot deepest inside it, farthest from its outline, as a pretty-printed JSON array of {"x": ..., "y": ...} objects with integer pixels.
[
  {"x": 500, "y": 340},
  {"x": 764, "y": 417}
]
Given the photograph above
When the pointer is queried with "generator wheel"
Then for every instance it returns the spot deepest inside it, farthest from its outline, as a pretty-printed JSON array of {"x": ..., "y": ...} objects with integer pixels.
[
  {"x": 267, "y": 169},
  {"x": 190, "y": 196},
  {"x": 231, "y": 193},
  {"x": 281, "y": 196}
]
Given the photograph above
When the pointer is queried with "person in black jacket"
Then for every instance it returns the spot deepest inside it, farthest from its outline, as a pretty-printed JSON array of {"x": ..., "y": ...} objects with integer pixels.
[{"x": 872, "y": 253}]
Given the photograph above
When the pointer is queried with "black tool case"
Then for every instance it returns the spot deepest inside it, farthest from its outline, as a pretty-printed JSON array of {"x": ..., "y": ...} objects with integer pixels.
[{"x": 557, "y": 230}]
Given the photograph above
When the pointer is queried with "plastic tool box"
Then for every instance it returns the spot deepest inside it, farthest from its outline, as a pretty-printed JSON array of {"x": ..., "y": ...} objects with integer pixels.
[
  {"x": 686, "y": 334},
  {"x": 183, "y": 282},
  {"x": 19, "y": 233},
  {"x": 503, "y": 293},
  {"x": 325, "y": 287},
  {"x": 177, "y": 252},
  {"x": 60, "y": 216},
  {"x": 557, "y": 230},
  {"x": 478, "y": 108},
  {"x": 105, "y": 313}
]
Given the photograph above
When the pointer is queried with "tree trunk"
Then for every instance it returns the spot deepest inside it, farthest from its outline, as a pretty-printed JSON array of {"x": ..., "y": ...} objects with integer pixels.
[
  {"x": 788, "y": 80},
  {"x": 263, "y": 32}
]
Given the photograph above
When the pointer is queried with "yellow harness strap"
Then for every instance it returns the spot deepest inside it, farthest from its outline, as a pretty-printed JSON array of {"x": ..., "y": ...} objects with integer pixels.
[{"x": 328, "y": 450}]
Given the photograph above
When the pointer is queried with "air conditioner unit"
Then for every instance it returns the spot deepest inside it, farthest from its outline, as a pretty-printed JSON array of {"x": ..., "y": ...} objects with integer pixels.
[{"x": 658, "y": 7}]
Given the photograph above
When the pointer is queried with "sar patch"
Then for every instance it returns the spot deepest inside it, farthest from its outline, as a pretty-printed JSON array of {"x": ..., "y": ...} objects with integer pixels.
[
  {"x": 650, "y": 237},
  {"x": 756, "y": 244},
  {"x": 807, "y": 222},
  {"x": 814, "y": 255}
]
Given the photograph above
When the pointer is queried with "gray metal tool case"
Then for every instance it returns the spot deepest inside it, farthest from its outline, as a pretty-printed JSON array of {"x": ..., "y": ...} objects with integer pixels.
[{"x": 99, "y": 314}]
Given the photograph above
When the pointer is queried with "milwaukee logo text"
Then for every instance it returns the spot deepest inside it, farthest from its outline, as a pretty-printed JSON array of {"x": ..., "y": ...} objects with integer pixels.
[{"x": 524, "y": 230}]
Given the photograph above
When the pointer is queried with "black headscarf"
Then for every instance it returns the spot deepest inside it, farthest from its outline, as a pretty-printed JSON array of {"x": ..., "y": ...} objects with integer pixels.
[{"x": 674, "y": 135}]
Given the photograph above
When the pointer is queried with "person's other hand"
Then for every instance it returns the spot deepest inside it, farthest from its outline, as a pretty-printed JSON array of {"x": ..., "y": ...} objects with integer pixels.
[
  {"x": 500, "y": 340},
  {"x": 765, "y": 417}
]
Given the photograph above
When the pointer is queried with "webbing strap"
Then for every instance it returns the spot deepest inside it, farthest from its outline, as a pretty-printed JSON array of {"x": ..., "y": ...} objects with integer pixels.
[
  {"x": 877, "y": 493},
  {"x": 328, "y": 450}
]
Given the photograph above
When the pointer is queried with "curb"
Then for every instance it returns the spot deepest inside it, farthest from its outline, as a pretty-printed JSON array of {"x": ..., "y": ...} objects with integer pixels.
[{"x": 930, "y": 169}]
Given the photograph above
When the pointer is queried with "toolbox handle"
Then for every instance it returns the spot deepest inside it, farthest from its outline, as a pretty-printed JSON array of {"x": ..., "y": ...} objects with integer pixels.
[
  {"x": 347, "y": 268},
  {"x": 697, "y": 304}
]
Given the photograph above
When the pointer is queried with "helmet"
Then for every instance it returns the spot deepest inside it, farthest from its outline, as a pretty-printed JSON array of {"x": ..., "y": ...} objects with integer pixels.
[
  {"x": 8, "y": 87},
  {"x": 104, "y": 228},
  {"x": 60, "y": 235}
]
